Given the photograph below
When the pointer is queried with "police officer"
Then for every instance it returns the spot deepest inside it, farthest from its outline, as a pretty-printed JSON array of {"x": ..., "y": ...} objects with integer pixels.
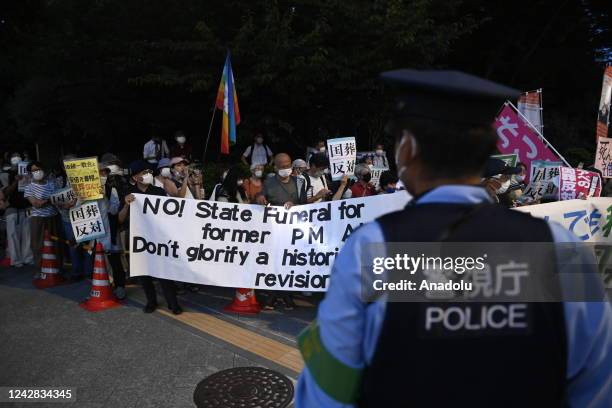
[{"x": 384, "y": 354}]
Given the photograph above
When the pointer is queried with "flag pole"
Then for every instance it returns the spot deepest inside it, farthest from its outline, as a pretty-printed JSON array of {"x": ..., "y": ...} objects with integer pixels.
[
  {"x": 212, "y": 119},
  {"x": 539, "y": 134}
]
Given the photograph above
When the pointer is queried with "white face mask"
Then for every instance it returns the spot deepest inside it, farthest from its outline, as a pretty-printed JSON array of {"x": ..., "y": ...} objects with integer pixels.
[
  {"x": 147, "y": 179},
  {"x": 38, "y": 175},
  {"x": 379, "y": 152},
  {"x": 15, "y": 160},
  {"x": 239, "y": 182},
  {"x": 322, "y": 149},
  {"x": 165, "y": 172},
  {"x": 114, "y": 169},
  {"x": 103, "y": 180},
  {"x": 520, "y": 178},
  {"x": 181, "y": 139},
  {"x": 504, "y": 187},
  {"x": 258, "y": 173},
  {"x": 283, "y": 173},
  {"x": 326, "y": 171},
  {"x": 259, "y": 140}
]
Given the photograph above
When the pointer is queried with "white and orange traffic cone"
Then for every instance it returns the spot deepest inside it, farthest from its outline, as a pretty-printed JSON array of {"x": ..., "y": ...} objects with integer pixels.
[
  {"x": 49, "y": 267},
  {"x": 101, "y": 296},
  {"x": 244, "y": 302}
]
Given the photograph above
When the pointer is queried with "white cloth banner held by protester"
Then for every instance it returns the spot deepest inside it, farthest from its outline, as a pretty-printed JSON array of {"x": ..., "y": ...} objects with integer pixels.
[
  {"x": 578, "y": 183},
  {"x": 603, "y": 156},
  {"x": 544, "y": 180},
  {"x": 86, "y": 222},
  {"x": 245, "y": 245},
  {"x": 342, "y": 153},
  {"x": 63, "y": 196}
]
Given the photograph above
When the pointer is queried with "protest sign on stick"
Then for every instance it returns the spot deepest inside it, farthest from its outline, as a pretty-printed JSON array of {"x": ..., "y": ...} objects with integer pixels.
[
  {"x": 63, "y": 196},
  {"x": 603, "y": 156},
  {"x": 578, "y": 183},
  {"x": 244, "y": 245},
  {"x": 86, "y": 222},
  {"x": 342, "y": 156},
  {"x": 543, "y": 180},
  {"x": 84, "y": 178}
]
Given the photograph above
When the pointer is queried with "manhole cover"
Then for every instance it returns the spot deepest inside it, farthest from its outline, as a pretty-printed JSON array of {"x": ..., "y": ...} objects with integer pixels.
[{"x": 244, "y": 387}]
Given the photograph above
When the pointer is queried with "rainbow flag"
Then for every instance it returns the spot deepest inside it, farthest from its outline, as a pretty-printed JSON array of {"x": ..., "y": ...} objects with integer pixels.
[{"x": 227, "y": 101}]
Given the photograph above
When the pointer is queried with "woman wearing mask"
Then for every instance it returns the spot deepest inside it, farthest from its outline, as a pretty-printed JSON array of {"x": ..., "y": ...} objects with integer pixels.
[
  {"x": 44, "y": 214},
  {"x": 163, "y": 173},
  {"x": 253, "y": 185},
  {"x": 176, "y": 186},
  {"x": 232, "y": 190},
  {"x": 362, "y": 187},
  {"x": 181, "y": 148}
]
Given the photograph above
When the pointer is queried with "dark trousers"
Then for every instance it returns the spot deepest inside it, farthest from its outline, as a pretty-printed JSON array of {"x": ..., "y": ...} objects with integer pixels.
[
  {"x": 118, "y": 271},
  {"x": 167, "y": 287}
]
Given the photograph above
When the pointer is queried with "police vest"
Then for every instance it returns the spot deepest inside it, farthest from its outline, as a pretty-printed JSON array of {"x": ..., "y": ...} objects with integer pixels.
[{"x": 451, "y": 367}]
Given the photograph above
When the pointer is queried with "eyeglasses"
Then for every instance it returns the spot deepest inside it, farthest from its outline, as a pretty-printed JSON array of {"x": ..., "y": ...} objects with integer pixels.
[{"x": 147, "y": 172}]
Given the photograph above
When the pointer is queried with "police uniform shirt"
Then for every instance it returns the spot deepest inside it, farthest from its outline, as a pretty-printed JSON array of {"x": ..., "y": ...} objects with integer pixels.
[{"x": 349, "y": 328}]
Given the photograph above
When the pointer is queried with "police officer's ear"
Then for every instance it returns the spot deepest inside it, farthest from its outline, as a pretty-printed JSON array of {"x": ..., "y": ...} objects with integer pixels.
[{"x": 407, "y": 149}]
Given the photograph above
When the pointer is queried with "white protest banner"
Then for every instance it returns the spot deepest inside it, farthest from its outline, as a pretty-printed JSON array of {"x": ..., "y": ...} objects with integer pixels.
[
  {"x": 86, "y": 222},
  {"x": 25, "y": 178},
  {"x": 63, "y": 196},
  {"x": 603, "y": 156},
  {"x": 244, "y": 245},
  {"x": 578, "y": 183},
  {"x": 342, "y": 156},
  {"x": 544, "y": 180},
  {"x": 376, "y": 172}
]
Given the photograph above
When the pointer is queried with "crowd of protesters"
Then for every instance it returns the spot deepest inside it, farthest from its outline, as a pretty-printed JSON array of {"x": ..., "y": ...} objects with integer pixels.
[{"x": 261, "y": 177}]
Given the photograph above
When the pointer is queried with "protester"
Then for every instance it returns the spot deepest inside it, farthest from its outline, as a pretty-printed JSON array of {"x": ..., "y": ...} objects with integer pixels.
[
  {"x": 181, "y": 148},
  {"x": 286, "y": 190},
  {"x": 17, "y": 220},
  {"x": 163, "y": 173},
  {"x": 380, "y": 159},
  {"x": 253, "y": 185},
  {"x": 155, "y": 150},
  {"x": 320, "y": 147},
  {"x": 213, "y": 193},
  {"x": 317, "y": 185},
  {"x": 44, "y": 214},
  {"x": 142, "y": 178},
  {"x": 388, "y": 182},
  {"x": 299, "y": 167},
  {"x": 498, "y": 179},
  {"x": 362, "y": 187},
  {"x": 258, "y": 152},
  {"x": 232, "y": 190},
  {"x": 177, "y": 185}
]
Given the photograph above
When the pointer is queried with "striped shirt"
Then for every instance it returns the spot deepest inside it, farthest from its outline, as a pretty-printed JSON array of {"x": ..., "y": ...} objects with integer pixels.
[{"x": 41, "y": 192}]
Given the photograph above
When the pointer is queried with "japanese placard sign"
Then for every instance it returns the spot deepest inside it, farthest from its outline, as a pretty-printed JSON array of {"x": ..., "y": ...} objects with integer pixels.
[
  {"x": 509, "y": 159},
  {"x": 63, "y": 196},
  {"x": 376, "y": 172},
  {"x": 86, "y": 222},
  {"x": 518, "y": 137},
  {"x": 342, "y": 156},
  {"x": 603, "y": 156},
  {"x": 84, "y": 178},
  {"x": 578, "y": 183},
  {"x": 544, "y": 180},
  {"x": 24, "y": 177}
]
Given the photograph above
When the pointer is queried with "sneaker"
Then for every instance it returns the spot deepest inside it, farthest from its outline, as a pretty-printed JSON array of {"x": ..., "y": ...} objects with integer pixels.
[
  {"x": 150, "y": 308},
  {"x": 120, "y": 293}
]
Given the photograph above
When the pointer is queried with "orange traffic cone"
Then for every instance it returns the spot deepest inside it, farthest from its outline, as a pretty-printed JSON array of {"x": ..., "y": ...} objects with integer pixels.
[
  {"x": 244, "y": 302},
  {"x": 49, "y": 267},
  {"x": 101, "y": 296}
]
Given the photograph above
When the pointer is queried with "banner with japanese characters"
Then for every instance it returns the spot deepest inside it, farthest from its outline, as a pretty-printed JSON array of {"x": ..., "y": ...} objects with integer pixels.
[
  {"x": 376, "y": 172},
  {"x": 509, "y": 159},
  {"x": 244, "y": 245},
  {"x": 518, "y": 137},
  {"x": 86, "y": 222},
  {"x": 530, "y": 106},
  {"x": 603, "y": 156},
  {"x": 578, "y": 183},
  {"x": 603, "y": 112},
  {"x": 342, "y": 154},
  {"x": 63, "y": 196},
  {"x": 24, "y": 177},
  {"x": 84, "y": 178},
  {"x": 544, "y": 180}
]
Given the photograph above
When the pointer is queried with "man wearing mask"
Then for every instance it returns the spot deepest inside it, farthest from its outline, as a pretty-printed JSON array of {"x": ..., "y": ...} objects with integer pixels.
[
  {"x": 142, "y": 177},
  {"x": 299, "y": 167},
  {"x": 363, "y": 187},
  {"x": 155, "y": 150},
  {"x": 388, "y": 182},
  {"x": 258, "y": 152},
  {"x": 17, "y": 221},
  {"x": 380, "y": 158},
  {"x": 181, "y": 148},
  {"x": 44, "y": 214},
  {"x": 283, "y": 189},
  {"x": 318, "y": 186},
  {"x": 498, "y": 179}
]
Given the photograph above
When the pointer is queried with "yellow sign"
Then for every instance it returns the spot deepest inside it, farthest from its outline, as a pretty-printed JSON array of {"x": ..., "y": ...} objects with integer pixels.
[{"x": 84, "y": 178}]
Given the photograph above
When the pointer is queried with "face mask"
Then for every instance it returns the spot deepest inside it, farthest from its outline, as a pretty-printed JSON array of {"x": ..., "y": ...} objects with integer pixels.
[
  {"x": 181, "y": 139},
  {"x": 239, "y": 182},
  {"x": 504, "y": 187},
  {"x": 259, "y": 140},
  {"x": 379, "y": 152},
  {"x": 103, "y": 180},
  {"x": 258, "y": 173},
  {"x": 38, "y": 175},
  {"x": 165, "y": 172},
  {"x": 326, "y": 171},
  {"x": 520, "y": 178},
  {"x": 322, "y": 149},
  {"x": 114, "y": 169},
  {"x": 367, "y": 177},
  {"x": 283, "y": 173},
  {"x": 147, "y": 179},
  {"x": 15, "y": 160}
]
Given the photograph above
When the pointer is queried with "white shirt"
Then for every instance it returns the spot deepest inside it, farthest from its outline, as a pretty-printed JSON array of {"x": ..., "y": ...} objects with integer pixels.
[
  {"x": 260, "y": 154},
  {"x": 316, "y": 184},
  {"x": 150, "y": 150}
]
